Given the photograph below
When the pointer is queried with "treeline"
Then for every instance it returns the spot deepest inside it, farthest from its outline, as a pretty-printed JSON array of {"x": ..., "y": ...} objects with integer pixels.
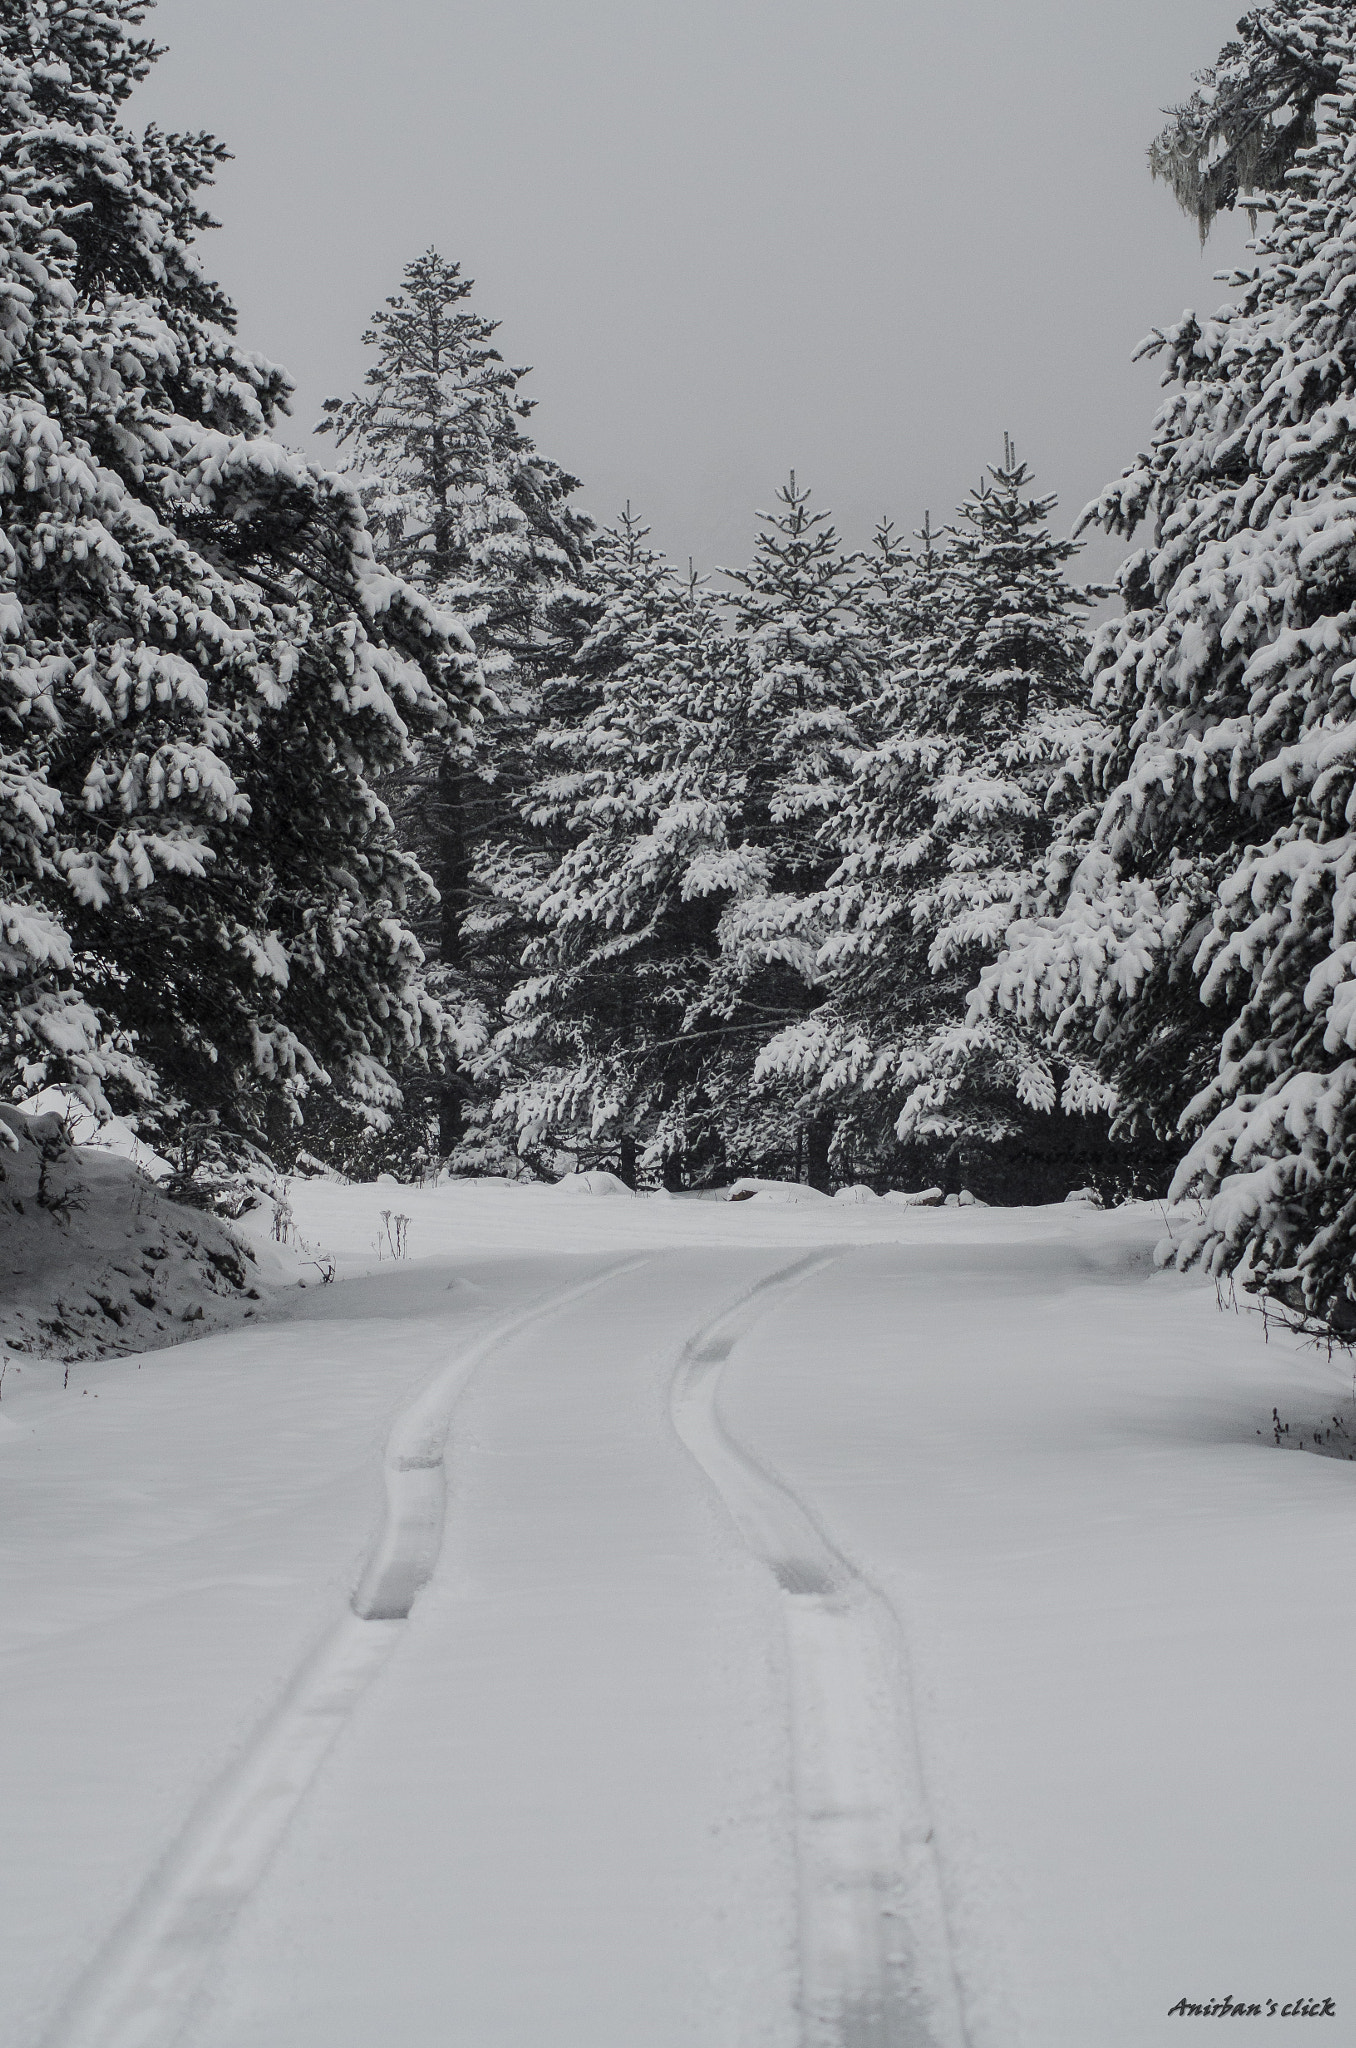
[
  {"x": 719, "y": 875},
  {"x": 404, "y": 817}
]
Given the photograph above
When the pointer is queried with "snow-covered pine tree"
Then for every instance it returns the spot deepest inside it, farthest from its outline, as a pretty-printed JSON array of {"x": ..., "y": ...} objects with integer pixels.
[
  {"x": 201, "y": 903},
  {"x": 806, "y": 657},
  {"x": 691, "y": 798},
  {"x": 1202, "y": 935},
  {"x": 1251, "y": 111},
  {"x": 610, "y": 1032},
  {"x": 466, "y": 507},
  {"x": 976, "y": 713},
  {"x": 461, "y": 500}
]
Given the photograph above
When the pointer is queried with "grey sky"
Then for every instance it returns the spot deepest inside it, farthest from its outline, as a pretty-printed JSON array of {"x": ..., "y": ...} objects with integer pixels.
[{"x": 857, "y": 237}]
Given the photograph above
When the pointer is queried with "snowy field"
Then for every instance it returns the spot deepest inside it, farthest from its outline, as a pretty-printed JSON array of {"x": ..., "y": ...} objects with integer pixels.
[{"x": 849, "y": 1626}]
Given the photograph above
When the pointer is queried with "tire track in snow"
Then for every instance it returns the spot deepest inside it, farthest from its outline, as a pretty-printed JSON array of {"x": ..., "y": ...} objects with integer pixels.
[
  {"x": 875, "y": 1955},
  {"x": 140, "y": 1989}
]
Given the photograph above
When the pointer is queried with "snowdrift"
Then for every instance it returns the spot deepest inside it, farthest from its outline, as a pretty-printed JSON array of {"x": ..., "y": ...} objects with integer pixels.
[
  {"x": 96, "y": 1260},
  {"x": 595, "y": 1182}
]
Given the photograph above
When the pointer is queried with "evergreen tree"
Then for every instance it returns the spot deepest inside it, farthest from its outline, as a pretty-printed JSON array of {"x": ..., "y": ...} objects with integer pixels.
[
  {"x": 1200, "y": 934},
  {"x": 803, "y": 646},
  {"x": 1252, "y": 111},
  {"x": 607, "y": 1033},
  {"x": 807, "y": 659},
  {"x": 977, "y": 712},
  {"x": 465, "y": 506},
  {"x": 462, "y": 502},
  {"x": 201, "y": 903},
  {"x": 692, "y": 799}
]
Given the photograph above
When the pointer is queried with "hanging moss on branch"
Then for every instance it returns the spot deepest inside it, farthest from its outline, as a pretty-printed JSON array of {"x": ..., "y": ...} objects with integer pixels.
[{"x": 1253, "y": 111}]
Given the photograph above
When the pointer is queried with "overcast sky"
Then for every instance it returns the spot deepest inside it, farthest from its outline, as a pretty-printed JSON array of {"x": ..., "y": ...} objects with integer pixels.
[{"x": 860, "y": 238}]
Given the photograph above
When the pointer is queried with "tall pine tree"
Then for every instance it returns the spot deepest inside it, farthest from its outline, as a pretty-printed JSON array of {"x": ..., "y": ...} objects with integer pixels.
[
  {"x": 976, "y": 713},
  {"x": 464, "y": 505},
  {"x": 1200, "y": 934},
  {"x": 693, "y": 799},
  {"x": 807, "y": 658},
  {"x": 201, "y": 902},
  {"x": 610, "y": 1032}
]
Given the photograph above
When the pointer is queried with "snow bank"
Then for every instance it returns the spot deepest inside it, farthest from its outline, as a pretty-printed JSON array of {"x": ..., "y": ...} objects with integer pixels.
[
  {"x": 594, "y": 1182},
  {"x": 82, "y": 1127},
  {"x": 785, "y": 1193},
  {"x": 97, "y": 1260}
]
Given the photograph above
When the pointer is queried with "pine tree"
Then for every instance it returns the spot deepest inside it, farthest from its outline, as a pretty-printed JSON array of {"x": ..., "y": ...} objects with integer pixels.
[
  {"x": 462, "y": 502},
  {"x": 466, "y": 507},
  {"x": 806, "y": 656},
  {"x": 692, "y": 803},
  {"x": 610, "y": 1031},
  {"x": 1252, "y": 111},
  {"x": 201, "y": 903},
  {"x": 1200, "y": 934},
  {"x": 977, "y": 712}
]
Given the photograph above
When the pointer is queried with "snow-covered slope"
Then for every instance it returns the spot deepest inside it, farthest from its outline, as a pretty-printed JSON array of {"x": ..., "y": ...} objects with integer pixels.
[{"x": 95, "y": 1260}]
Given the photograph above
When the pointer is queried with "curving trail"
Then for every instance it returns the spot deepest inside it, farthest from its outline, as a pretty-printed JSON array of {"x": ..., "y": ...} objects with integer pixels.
[
  {"x": 875, "y": 1958},
  {"x": 565, "y": 1454},
  {"x": 141, "y": 1988}
]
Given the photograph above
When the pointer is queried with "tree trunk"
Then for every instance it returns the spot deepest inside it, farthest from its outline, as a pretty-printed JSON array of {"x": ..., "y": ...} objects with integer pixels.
[
  {"x": 817, "y": 1136},
  {"x": 453, "y": 876},
  {"x": 673, "y": 1172},
  {"x": 628, "y": 1160}
]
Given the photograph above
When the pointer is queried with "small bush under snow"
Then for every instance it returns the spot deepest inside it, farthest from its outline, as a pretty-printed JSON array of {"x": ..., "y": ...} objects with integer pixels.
[
  {"x": 595, "y": 1182},
  {"x": 774, "y": 1191}
]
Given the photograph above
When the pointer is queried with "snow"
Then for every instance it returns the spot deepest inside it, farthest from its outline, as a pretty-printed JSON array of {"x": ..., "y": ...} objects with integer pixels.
[
  {"x": 746, "y": 1506},
  {"x": 784, "y": 1193},
  {"x": 594, "y": 1182},
  {"x": 97, "y": 1260},
  {"x": 111, "y": 1134}
]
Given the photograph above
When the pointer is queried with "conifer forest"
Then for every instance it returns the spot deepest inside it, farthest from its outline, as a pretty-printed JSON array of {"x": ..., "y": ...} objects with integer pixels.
[{"x": 404, "y": 815}]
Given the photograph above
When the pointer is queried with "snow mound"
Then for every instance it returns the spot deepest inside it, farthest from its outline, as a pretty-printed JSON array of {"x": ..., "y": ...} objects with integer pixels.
[
  {"x": 1088, "y": 1195},
  {"x": 594, "y": 1182},
  {"x": 97, "y": 1260},
  {"x": 82, "y": 1127},
  {"x": 782, "y": 1192},
  {"x": 919, "y": 1198},
  {"x": 858, "y": 1192}
]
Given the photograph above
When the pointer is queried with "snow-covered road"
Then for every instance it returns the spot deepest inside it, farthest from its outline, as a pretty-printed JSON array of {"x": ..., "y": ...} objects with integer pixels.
[{"x": 848, "y": 1628}]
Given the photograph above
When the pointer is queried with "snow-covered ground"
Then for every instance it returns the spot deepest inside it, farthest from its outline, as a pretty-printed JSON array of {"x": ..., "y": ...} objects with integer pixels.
[
  {"x": 94, "y": 1258},
  {"x": 850, "y": 1624}
]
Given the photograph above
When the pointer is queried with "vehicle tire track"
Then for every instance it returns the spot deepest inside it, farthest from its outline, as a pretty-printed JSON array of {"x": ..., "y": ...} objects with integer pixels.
[
  {"x": 875, "y": 1956},
  {"x": 140, "y": 1989}
]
